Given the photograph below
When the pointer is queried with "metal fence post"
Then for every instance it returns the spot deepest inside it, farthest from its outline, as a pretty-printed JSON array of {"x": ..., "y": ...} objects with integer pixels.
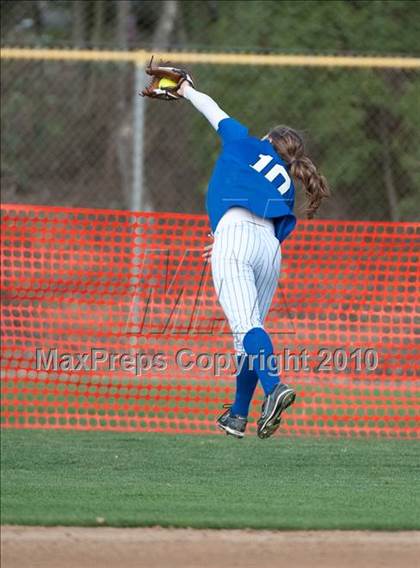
[{"x": 137, "y": 202}]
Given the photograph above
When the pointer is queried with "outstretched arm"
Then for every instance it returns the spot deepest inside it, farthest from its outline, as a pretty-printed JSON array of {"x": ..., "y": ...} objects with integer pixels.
[{"x": 203, "y": 103}]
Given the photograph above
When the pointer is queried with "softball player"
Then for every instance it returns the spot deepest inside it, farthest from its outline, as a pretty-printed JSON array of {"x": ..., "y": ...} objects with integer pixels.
[{"x": 250, "y": 204}]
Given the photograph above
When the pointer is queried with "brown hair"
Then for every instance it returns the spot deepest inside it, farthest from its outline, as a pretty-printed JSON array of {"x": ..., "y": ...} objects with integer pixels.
[{"x": 289, "y": 145}]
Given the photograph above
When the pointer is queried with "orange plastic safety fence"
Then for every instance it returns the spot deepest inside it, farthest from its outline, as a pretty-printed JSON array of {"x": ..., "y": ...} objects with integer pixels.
[{"x": 110, "y": 321}]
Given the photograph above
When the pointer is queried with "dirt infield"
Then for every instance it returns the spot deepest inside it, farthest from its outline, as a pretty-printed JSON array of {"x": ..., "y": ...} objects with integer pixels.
[{"x": 76, "y": 547}]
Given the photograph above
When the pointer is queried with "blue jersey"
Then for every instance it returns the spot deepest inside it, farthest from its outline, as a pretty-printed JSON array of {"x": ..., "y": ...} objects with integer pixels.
[{"x": 249, "y": 173}]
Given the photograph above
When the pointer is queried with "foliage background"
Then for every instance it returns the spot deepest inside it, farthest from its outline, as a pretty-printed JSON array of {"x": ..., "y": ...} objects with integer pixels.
[{"x": 68, "y": 128}]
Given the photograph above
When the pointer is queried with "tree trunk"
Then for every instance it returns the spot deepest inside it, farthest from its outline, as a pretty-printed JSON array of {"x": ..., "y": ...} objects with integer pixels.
[
  {"x": 389, "y": 183},
  {"x": 160, "y": 193},
  {"x": 123, "y": 24},
  {"x": 169, "y": 175},
  {"x": 123, "y": 16},
  {"x": 37, "y": 16},
  {"x": 98, "y": 23},
  {"x": 165, "y": 25},
  {"x": 124, "y": 116},
  {"x": 96, "y": 40},
  {"x": 123, "y": 124},
  {"x": 79, "y": 24}
]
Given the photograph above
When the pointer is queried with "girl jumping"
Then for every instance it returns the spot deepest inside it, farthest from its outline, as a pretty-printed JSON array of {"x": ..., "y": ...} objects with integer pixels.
[{"x": 250, "y": 202}]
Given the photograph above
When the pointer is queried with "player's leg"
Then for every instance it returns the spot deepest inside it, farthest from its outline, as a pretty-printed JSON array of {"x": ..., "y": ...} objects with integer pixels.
[
  {"x": 266, "y": 280},
  {"x": 267, "y": 273},
  {"x": 257, "y": 342},
  {"x": 235, "y": 287},
  {"x": 266, "y": 268},
  {"x": 246, "y": 382},
  {"x": 240, "y": 252},
  {"x": 236, "y": 258},
  {"x": 234, "y": 280}
]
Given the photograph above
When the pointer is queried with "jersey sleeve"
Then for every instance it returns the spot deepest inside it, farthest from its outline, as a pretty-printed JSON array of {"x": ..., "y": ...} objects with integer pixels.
[{"x": 230, "y": 130}]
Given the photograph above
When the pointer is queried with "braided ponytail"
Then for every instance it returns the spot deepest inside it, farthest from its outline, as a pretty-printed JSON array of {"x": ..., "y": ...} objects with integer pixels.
[{"x": 289, "y": 145}]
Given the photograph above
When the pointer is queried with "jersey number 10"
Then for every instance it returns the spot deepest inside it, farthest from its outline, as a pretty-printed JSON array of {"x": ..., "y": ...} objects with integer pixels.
[{"x": 273, "y": 173}]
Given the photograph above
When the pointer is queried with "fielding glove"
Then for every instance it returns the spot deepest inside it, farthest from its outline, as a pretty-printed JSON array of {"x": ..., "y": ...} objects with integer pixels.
[{"x": 156, "y": 90}]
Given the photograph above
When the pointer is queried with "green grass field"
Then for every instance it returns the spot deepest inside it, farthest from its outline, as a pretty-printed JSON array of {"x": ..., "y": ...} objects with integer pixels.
[{"x": 76, "y": 478}]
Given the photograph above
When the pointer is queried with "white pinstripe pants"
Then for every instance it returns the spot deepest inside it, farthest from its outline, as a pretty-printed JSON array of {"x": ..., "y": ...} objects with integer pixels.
[{"x": 245, "y": 262}]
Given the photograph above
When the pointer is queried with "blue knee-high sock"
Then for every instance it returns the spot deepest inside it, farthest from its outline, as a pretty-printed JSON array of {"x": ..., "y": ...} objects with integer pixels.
[
  {"x": 246, "y": 381},
  {"x": 257, "y": 342}
]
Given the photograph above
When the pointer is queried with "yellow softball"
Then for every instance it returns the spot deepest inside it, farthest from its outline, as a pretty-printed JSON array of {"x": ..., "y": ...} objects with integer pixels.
[{"x": 167, "y": 83}]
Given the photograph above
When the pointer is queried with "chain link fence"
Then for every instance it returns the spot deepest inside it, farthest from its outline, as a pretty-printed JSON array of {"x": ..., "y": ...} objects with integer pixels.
[
  {"x": 76, "y": 133},
  {"x": 69, "y": 135}
]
